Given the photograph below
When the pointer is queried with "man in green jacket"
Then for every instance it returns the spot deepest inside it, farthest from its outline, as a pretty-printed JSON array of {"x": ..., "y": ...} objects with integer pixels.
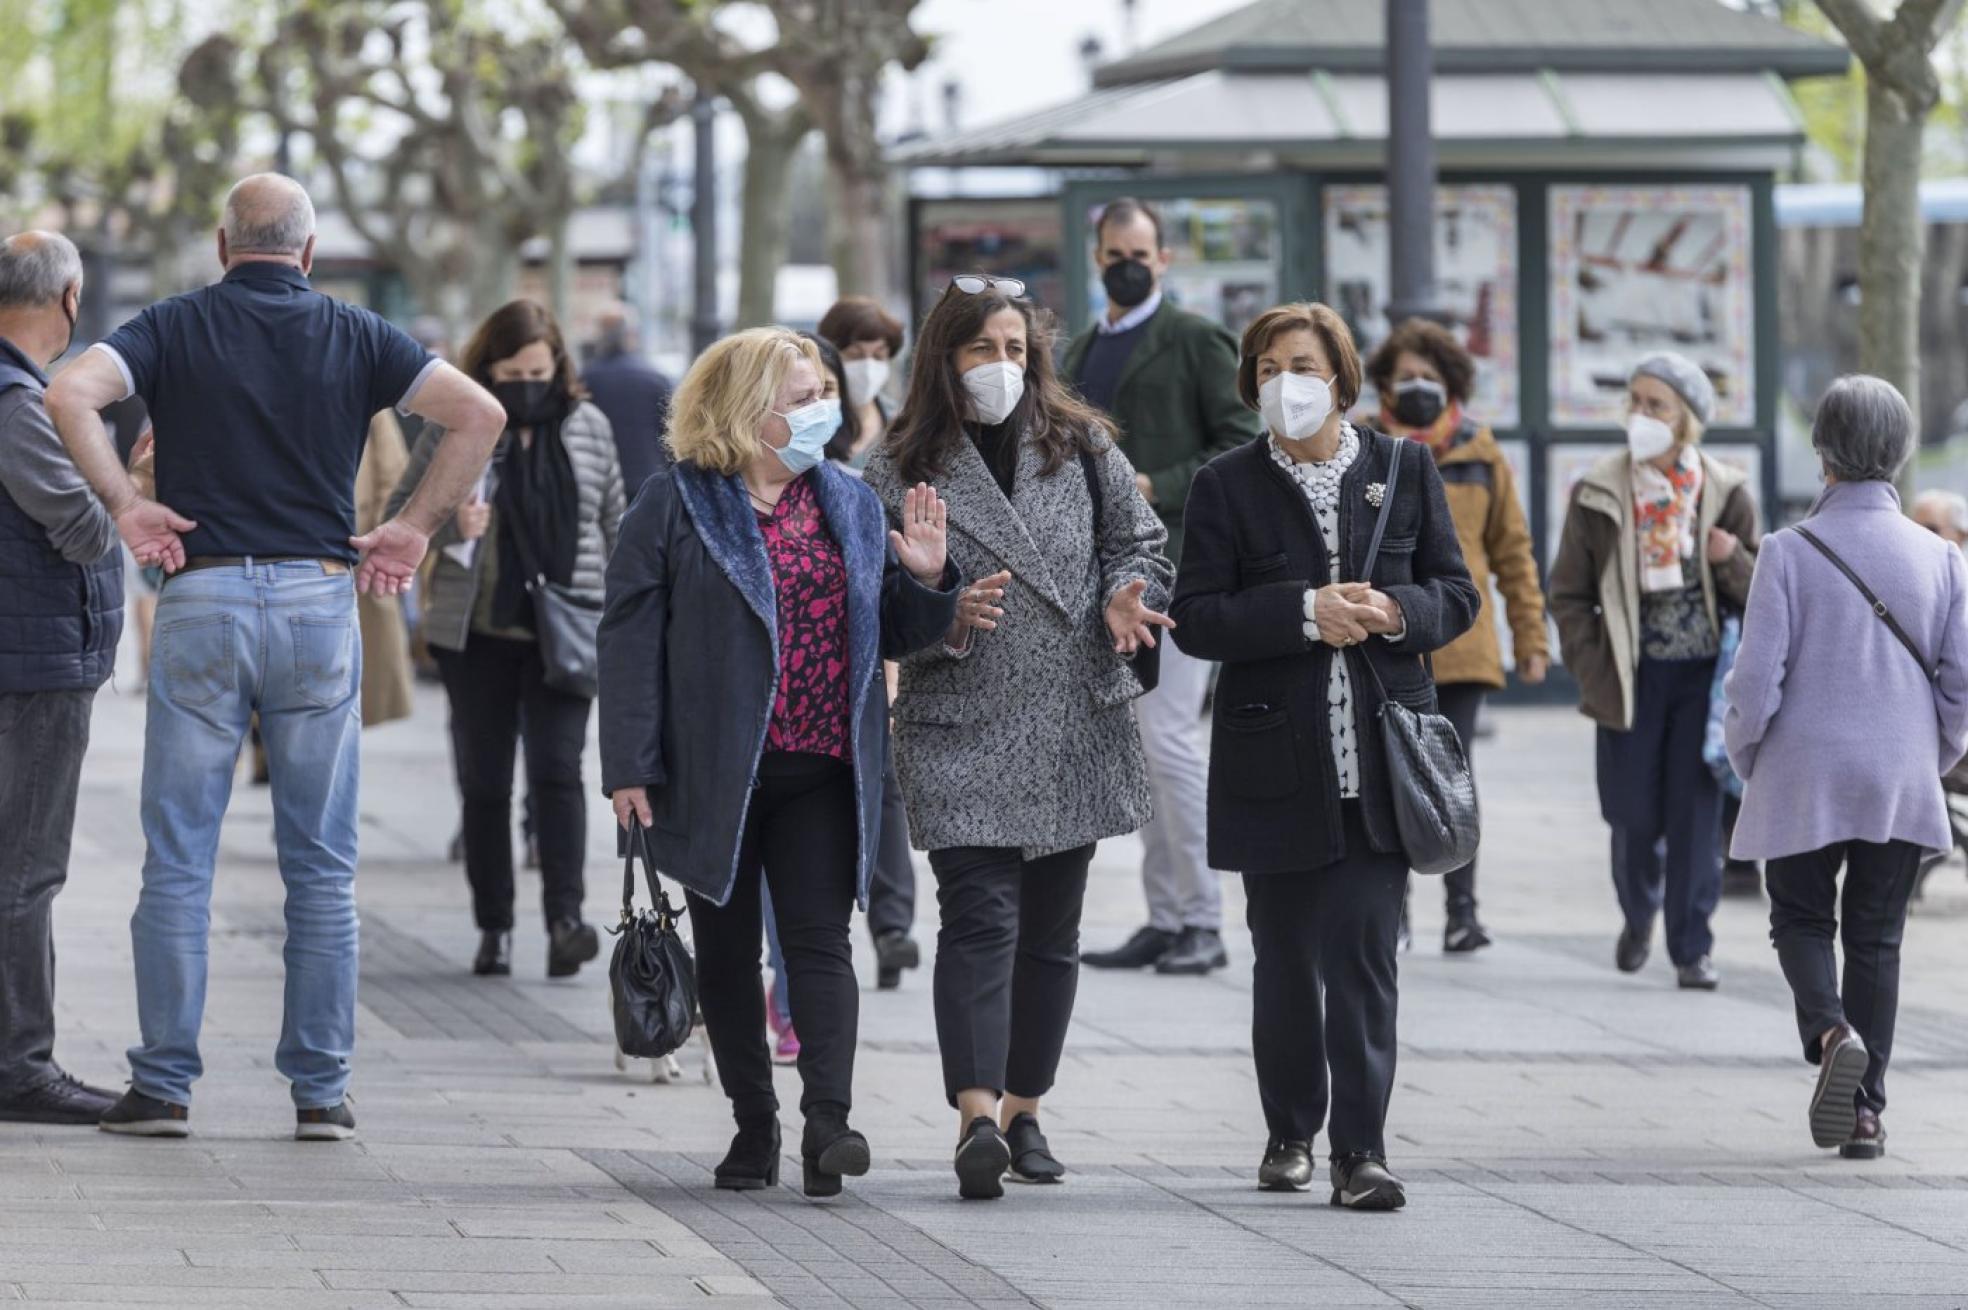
[{"x": 1168, "y": 379}]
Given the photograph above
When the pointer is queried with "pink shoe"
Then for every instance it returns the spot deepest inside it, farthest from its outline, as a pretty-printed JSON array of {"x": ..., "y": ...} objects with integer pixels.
[
  {"x": 785, "y": 1042},
  {"x": 787, "y": 1049}
]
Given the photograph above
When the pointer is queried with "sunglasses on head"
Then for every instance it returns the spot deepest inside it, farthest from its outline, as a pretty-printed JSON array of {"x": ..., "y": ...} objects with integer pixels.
[{"x": 972, "y": 284}]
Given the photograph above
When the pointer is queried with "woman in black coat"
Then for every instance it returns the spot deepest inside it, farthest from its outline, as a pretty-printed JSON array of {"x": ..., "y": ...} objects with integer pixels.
[
  {"x": 1299, "y": 802},
  {"x": 751, "y": 599}
]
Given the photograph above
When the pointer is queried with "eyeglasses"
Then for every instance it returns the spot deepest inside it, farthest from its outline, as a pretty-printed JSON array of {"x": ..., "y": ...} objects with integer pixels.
[{"x": 972, "y": 284}]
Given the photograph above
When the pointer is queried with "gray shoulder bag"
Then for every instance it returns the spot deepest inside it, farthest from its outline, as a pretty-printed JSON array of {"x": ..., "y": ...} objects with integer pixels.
[{"x": 1428, "y": 775}]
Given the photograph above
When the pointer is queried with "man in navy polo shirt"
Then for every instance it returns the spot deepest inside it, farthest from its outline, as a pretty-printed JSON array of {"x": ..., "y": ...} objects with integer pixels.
[{"x": 260, "y": 391}]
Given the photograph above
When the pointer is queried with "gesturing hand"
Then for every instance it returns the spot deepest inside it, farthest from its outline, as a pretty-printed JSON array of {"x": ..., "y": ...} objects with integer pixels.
[
  {"x": 390, "y": 556},
  {"x": 922, "y": 545},
  {"x": 1131, "y": 623},
  {"x": 980, "y": 605},
  {"x": 151, "y": 531}
]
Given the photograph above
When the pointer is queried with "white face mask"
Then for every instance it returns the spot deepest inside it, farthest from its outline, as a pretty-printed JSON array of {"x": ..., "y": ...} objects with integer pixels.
[
  {"x": 865, "y": 379},
  {"x": 994, "y": 390},
  {"x": 1647, "y": 437},
  {"x": 1295, "y": 405}
]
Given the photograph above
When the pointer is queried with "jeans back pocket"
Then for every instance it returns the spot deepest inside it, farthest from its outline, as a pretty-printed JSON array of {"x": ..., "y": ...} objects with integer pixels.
[
  {"x": 196, "y": 659},
  {"x": 324, "y": 658}
]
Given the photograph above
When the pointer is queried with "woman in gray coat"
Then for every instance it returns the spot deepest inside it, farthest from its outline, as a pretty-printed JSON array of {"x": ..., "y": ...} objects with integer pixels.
[
  {"x": 1013, "y": 737},
  {"x": 1848, "y": 701},
  {"x": 550, "y": 503}
]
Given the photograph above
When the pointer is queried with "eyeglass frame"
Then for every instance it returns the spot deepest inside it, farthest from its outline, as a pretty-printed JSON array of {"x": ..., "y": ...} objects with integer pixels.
[{"x": 987, "y": 282}]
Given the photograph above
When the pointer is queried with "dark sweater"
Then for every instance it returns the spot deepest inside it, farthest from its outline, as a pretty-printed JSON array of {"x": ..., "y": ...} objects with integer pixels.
[
  {"x": 1106, "y": 357},
  {"x": 999, "y": 447}
]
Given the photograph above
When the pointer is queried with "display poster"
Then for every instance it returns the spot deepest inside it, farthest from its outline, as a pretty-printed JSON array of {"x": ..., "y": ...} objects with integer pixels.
[{"x": 1023, "y": 238}]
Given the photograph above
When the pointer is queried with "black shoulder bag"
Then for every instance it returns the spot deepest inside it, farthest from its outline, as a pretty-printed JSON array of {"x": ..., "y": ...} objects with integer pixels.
[
  {"x": 565, "y": 623},
  {"x": 1933, "y": 672},
  {"x": 1433, "y": 791},
  {"x": 1147, "y": 661},
  {"x": 652, "y": 981}
]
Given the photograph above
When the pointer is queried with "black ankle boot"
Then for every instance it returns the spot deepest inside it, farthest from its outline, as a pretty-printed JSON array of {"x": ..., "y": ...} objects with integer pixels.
[
  {"x": 829, "y": 1149},
  {"x": 494, "y": 959},
  {"x": 752, "y": 1163}
]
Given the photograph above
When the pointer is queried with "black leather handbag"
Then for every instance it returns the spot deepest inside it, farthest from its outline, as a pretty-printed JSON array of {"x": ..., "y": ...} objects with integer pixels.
[
  {"x": 1434, "y": 792},
  {"x": 565, "y": 623},
  {"x": 652, "y": 981}
]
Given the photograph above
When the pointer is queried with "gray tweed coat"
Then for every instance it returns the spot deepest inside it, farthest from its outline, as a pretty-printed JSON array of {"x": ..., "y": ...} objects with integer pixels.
[
  {"x": 1026, "y": 739},
  {"x": 598, "y": 481}
]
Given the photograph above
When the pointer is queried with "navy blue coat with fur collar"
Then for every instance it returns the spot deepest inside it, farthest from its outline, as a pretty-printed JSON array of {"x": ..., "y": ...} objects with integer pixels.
[{"x": 689, "y": 659}]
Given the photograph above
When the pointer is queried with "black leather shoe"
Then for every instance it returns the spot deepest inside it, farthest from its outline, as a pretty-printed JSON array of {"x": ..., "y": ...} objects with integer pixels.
[
  {"x": 1287, "y": 1166},
  {"x": 752, "y": 1163},
  {"x": 61, "y": 1099},
  {"x": 1364, "y": 1182},
  {"x": 1197, "y": 951},
  {"x": 570, "y": 945},
  {"x": 1842, "y": 1064},
  {"x": 1868, "y": 1139},
  {"x": 1146, "y": 947},
  {"x": 829, "y": 1149},
  {"x": 1698, "y": 976},
  {"x": 137, "y": 1115},
  {"x": 982, "y": 1158},
  {"x": 1464, "y": 934},
  {"x": 895, "y": 951},
  {"x": 494, "y": 958},
  {"x": 1032, "y": 1160},
  {"x": 1632, "y": 950}
]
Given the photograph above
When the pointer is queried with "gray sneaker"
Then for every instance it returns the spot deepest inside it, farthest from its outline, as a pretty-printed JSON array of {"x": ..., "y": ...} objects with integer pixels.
[
  {"x": 330, "y": 1123},
  {"x": 137, "y": 1115},
  {"x": 1364, "y": 1182}
]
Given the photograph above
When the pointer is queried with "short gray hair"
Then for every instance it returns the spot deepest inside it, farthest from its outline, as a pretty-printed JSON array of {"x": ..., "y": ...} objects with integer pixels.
[
  {"x": 267, "y": 214},
  {"x": 36, "y": 268},
  {"x": 1864, "y": 429}
]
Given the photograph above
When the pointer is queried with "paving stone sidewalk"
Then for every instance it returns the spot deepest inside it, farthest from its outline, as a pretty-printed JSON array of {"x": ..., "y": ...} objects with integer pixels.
[{"x": 1571, "y": 1137}]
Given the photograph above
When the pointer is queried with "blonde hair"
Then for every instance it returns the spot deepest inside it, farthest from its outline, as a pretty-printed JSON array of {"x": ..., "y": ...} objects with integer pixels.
[{"x": 728, "y": 394}]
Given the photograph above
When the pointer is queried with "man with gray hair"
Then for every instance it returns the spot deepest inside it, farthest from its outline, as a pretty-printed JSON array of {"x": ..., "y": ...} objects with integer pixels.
[
  {"x": 1943, "y": 513},
  {"x": 260, "y": 390},
  {"x": 61, "y": 612}
]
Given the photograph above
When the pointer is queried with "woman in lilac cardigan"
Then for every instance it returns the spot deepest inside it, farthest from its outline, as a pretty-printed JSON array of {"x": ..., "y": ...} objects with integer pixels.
[{"x": 1841, "y": 734}]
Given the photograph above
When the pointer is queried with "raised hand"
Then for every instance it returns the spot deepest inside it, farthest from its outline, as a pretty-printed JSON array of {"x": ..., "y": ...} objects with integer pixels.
[
  {"x": 390, "y": 556},
  {"x": 922, "y": 545},
  {"x": 152, "y": 532},
  {"x": 1131, "y": 623}
]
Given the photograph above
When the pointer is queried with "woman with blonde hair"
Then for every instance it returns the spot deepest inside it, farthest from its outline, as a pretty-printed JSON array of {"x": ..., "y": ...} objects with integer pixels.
[
  {"x": 1659, "y": 541},
  {"x": 750, "y": 603}
]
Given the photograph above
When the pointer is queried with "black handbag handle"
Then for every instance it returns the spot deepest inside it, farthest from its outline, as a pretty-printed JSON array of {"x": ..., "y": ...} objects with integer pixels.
[
  {"x": 1380, "y": 523},
  {"x": 1932, "y": 671},
  {"x": 638, "y": 844}
]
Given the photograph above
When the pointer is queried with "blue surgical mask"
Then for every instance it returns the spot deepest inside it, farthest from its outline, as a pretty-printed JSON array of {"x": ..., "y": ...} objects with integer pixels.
[{"x": 812, "y": 426}]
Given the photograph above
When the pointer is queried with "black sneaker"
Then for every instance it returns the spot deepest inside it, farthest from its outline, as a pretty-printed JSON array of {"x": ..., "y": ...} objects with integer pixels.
[
  {"x": 1464, "y": 935},
  {"x": 1631, "y": 951},
  {"x": 330, "y": 1123},
  {"x": 570, "y": 944},
  {"x": 982, "y": 1158},
  {"x": 1032, "y": 1160},
  {"x": 1287, "y": 1166},
  {"x": 895, "y": 951},
  {"x": 62, "y": 1099},
  {"x": 1364, "y": 1182},
  {"x": 137, "y": 1115},
  {"x": 1146, "y": 947}
]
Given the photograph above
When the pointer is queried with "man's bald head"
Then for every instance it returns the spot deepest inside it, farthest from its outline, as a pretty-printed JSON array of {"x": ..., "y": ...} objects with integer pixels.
[
  {"x": 1943, "y": 513},
  {"x": 268, "y": 215},
  {"x": 615, "y": 329}
]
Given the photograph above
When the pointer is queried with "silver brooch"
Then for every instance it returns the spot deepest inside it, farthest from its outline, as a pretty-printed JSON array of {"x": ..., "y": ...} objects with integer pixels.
[{"x": 1376, "y": 492}]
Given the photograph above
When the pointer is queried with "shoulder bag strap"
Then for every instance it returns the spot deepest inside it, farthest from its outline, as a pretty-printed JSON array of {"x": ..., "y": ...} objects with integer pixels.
[
  {"x": 1878, "y": 605},
  {"x": 1386, "y": 507}
]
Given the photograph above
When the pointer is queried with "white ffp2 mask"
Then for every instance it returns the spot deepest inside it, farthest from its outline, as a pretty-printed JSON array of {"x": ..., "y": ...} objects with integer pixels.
[
  {"x": 865, "y": 379},
  {"x": 1647, "y": 437},
  {"x": 1295, "y": 405},
  {"x": 994, "y": 390}
]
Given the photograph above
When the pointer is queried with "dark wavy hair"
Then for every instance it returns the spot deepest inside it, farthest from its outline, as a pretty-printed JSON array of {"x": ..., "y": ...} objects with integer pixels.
[
  {"x": 511, "y": 328},
  {"x": 841, "y": 447},
  {"x": 930, "y": 425},
  {"x": 1434, "y": 343}
]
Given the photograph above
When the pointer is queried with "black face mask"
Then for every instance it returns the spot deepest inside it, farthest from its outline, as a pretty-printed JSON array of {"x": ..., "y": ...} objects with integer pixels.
[
  {"x": 526, "y": 403},
  {"x": 1128, "y": 282},
  {"x": 1418, "y": 402}
]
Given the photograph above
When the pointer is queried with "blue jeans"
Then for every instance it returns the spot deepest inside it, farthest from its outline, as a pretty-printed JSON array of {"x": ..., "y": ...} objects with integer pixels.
[{"x": 279, "y": 639}]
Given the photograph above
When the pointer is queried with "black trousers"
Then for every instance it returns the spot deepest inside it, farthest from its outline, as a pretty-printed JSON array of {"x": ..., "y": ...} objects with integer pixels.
[
  {"x": 1324, "y": 989},
  {"x": 892, "y": 886},
  {"x": 43, "y": 735},
  {"x": 490, "y": 683},
  {"x": 1461, "y": 702},
  {"x": 1804, "y": 916},
  {"x": 801, "y": 833},
  {"x": 1655, "y": 789},
  {"x": 1007, "y": 965}
]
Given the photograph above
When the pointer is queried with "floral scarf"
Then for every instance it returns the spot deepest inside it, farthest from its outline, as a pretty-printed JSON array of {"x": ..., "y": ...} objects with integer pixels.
[{"x": 1664, "y": 508}]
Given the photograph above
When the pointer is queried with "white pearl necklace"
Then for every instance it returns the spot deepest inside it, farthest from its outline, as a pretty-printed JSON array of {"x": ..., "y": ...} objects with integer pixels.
[{"x": 1320, "y": 479}]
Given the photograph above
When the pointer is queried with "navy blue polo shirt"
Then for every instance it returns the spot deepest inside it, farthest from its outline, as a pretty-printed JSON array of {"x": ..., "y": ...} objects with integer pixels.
[{"x": 261, "y": 390}]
